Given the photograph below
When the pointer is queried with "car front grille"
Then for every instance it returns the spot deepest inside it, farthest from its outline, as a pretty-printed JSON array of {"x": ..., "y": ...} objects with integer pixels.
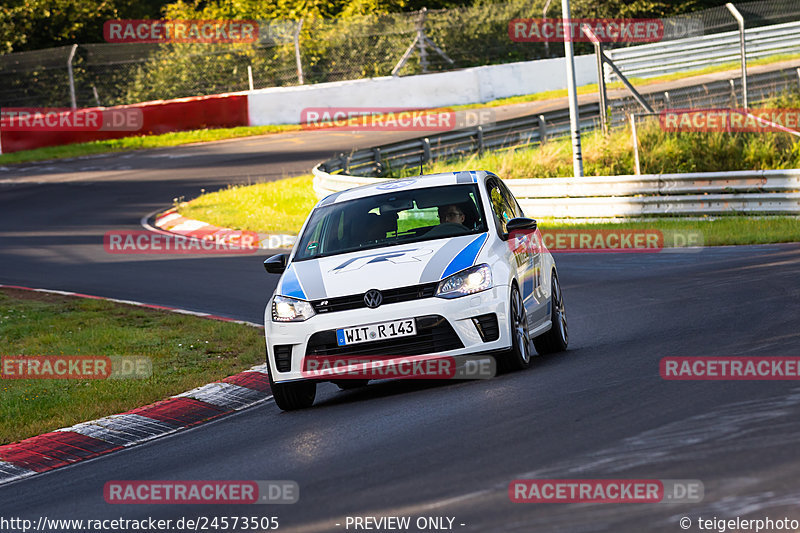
[
  {"x": 434, "y": 335},
  {"x": 390, "y": 296}
]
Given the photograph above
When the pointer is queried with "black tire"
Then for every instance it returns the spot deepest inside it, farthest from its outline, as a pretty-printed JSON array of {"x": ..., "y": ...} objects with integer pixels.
[
  {"x": 350, "y": 384},
  {"x": 557, "y": 337},
  {"x": 518, "y": 357},
  {"x": 293, "y": 395}
]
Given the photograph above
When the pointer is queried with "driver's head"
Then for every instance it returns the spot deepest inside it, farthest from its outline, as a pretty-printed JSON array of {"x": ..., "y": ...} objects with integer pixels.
[{"x": 451, "y": 214}]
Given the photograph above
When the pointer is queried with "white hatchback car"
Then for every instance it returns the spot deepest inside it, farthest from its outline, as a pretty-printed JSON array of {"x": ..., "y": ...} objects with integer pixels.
[{"x": 438, "y": 264}]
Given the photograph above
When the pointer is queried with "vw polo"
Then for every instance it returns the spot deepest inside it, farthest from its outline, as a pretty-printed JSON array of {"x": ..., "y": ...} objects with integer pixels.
[{"x": 443, "y": 264}]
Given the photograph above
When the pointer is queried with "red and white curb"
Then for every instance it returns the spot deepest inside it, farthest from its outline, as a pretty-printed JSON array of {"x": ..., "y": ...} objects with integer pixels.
[
  {"x": 111, "y": 433},
  {"x": 173, "y": 222}
]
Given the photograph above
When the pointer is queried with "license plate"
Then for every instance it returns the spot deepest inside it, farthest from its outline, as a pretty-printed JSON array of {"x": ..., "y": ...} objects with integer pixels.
[{"x": 376, "y": 332}]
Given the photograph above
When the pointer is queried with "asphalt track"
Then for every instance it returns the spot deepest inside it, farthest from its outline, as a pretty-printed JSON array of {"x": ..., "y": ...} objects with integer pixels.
[{"x": 600, "y": 410}]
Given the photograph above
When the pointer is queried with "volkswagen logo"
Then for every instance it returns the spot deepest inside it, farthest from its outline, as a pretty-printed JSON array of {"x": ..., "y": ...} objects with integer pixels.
[{"x": 373, "y": 298}]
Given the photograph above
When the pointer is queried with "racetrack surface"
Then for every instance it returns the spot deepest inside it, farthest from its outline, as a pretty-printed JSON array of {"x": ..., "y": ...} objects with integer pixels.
[{"x": 600, "y": 410}]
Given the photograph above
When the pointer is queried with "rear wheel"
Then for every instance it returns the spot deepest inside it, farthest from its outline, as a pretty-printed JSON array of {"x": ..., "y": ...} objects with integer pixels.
[
  {"x": 519, "y": 356},
  {"x": 556, "y": 338},
  {"x": 294, "y": 394}
]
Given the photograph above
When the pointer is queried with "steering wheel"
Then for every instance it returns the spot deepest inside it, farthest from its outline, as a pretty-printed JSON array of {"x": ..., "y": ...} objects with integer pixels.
[{"x": 447, "y": 228}]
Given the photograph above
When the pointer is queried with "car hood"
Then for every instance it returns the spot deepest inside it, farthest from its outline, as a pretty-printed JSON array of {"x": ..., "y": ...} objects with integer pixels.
[{"x": 380, "y": 268}]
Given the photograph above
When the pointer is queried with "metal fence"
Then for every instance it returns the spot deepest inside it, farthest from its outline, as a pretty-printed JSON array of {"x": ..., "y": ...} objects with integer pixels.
[
  {"x": 658, "y": 59},
  {"x": 329, "y": 50}
]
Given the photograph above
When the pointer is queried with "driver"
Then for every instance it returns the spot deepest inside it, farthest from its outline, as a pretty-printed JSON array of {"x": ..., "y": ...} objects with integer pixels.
[{"x": 451, "y": 214}]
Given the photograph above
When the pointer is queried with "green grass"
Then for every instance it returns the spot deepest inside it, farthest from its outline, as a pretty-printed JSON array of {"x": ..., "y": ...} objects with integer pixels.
[
  {"x": 140, "y": 142},
  {"x": 185, "y": 351},
  {"x": 271, "y": 207}
]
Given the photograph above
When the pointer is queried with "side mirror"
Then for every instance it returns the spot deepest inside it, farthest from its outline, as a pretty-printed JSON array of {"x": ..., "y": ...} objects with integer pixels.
[
  {"x": 276, "y": 264},
  {"x": 520, "y": 224}
]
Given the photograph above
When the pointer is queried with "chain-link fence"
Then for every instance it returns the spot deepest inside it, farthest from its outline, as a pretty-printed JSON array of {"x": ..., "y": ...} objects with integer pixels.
[{"x": 309, "y": 51}]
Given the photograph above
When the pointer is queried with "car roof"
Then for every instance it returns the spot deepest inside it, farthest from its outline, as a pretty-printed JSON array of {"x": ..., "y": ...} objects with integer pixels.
[{"x": 406, "y": 184}]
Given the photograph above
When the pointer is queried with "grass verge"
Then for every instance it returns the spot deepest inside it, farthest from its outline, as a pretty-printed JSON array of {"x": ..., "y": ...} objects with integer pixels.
[
  {"x": 185, "y": 351},
  {"x": 272, "y": 207}
]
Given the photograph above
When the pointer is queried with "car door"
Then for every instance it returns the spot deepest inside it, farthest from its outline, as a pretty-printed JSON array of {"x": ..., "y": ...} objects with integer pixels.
[{"x": 525, "y": 248}]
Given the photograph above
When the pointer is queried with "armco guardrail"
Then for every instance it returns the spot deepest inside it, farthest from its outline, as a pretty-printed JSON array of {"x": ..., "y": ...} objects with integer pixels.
[
  {"x": 704, "y": 193},
  {"x": 761, "y": 191},
  {"x": 658, "y": 59}
]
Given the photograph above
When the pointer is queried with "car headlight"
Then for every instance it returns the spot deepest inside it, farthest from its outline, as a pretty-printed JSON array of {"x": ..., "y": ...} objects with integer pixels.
[
  {"x": 285, "y": 309},
  {"x": 469, "y": 281}
]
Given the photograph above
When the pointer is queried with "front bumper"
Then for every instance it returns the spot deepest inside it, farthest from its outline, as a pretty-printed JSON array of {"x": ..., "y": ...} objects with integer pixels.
[{"x": 457, "y": 313}]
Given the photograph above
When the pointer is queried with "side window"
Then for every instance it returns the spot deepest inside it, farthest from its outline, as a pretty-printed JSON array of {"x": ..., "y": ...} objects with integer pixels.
[
  {"x": 511, "y": 201},
  {"x": 503, "y": 212}
]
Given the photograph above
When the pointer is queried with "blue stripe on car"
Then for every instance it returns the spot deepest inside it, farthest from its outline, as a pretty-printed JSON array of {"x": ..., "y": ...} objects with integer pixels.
[
  {"x": 466, "y": 257},
  {"x": 290, "y": 286}
]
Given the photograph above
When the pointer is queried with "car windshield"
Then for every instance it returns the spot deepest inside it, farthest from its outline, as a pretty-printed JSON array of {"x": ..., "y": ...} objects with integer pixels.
[{"x": 398, "y": 217}]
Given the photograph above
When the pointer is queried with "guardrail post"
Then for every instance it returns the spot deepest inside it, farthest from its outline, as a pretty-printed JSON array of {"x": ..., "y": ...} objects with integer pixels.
[
  {"x": 636, "y": 168},
  {"x": 798, "y": 75},
  {"x": 376, "y": 156},
  {"x": 480, "y": 140},
  {"x": 667, "y": 103},
  {"x": 734, "y": 101},
  {"x": 542, "y": 129},
  {"x": 426, "y": 149}
]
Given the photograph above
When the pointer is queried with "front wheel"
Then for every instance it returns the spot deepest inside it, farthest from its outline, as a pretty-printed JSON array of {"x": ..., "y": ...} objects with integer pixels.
[
  {"x": 293, "y": 395},
  {"x": 556, "y": 338},
  {"x": 519, "y": 356}
]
